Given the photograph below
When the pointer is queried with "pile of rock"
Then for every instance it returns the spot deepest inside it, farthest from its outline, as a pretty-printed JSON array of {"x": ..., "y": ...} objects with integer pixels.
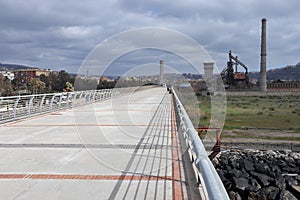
[{"x": 256, "y": 174}]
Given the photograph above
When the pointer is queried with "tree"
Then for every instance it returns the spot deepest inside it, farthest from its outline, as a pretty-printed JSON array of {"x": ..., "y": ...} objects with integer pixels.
[
  {"x": 68, "y": 87},
  {"x": 45, "y": 79},
  {"x": 53, "y": 81},
  {"x": 15, "y": 83},
  {"x": 6, "y": 88},
  {"x": 36, "y": 86},
  {"x": 58, "y": 81}
]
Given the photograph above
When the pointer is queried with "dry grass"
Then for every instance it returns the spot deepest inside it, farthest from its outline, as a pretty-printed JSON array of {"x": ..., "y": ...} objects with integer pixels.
[{"x": 281, "y": 113}]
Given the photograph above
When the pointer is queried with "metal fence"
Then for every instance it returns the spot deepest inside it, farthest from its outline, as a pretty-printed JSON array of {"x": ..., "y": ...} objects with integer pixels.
[
  {"x": 207, "y": 175},
  {"x": 16, "y": 107}
]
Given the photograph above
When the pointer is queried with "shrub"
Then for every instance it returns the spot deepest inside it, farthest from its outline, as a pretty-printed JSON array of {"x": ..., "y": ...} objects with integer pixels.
[{"x": 272, "y": 109}]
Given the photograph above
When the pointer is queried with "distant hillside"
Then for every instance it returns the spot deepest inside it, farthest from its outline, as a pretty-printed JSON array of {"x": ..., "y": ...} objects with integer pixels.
[
  {"x": 290, "y": 72},
  {"x": 13, "y": 66}
]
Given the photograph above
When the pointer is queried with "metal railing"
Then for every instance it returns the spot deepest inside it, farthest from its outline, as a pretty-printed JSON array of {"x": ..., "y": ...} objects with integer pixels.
[
  {"x": 17, "y": 107},
  {"x": 207, "y": 175}
]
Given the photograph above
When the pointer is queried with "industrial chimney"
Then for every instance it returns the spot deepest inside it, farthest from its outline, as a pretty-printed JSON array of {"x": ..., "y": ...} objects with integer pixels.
[
  {"x": 161, "y": 63},
  {"x": 263, "y": 57}
]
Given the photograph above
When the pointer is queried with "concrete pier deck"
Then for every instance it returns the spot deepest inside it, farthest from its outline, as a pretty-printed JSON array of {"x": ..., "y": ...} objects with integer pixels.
[{"x": 123, "y": 148}]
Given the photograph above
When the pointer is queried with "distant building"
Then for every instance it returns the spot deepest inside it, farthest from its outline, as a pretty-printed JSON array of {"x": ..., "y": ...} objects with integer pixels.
[
  {"x": 289, "y": 86},
  {"x": 7, "y": 74},
  {"x": 24, "y": 75},
  {"x": 88, "y": 78}
]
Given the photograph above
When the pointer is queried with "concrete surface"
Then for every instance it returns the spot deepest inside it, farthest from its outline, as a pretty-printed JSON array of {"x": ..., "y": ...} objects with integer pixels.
[{"x": 123, "y": 148}]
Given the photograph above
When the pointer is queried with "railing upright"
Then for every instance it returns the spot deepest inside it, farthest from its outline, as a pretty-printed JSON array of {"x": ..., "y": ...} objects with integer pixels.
[
  {"x": 42, "y": 103},
  {"x": 15, "y": 107},
  {"x": 30, "y": 105}
]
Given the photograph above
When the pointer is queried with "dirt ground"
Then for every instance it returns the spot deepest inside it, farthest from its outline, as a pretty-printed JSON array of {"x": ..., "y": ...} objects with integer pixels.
[{"x": 260, "y": 139}]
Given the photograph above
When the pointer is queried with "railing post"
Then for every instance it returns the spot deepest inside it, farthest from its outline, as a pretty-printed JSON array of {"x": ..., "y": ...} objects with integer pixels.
[
  {"x": 90, "y": 96},
  {"x": 41, "y": 103},
  {"x": 80, "y": 97},
  {"x": 87, "y": 98},
  {"x": 101, "y": 95},
  {"x": 96, "y": 95},
  {"x": 51, "y": 102},
  {"x": 68, "y": 99},
  {"x": 106, "y": 92},
  {"x": 93, "y": 96},
  {"x": 15, "y": 107},
  {"x": 74, "y": 99},
  {"x": 60, "y": 99},
  {"x": 30, "y": 105}
]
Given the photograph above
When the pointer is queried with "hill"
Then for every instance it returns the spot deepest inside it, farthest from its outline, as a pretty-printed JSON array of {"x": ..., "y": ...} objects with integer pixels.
[
  {"x": 290, "y": 72},
  {"x": 13, "y": 66}
]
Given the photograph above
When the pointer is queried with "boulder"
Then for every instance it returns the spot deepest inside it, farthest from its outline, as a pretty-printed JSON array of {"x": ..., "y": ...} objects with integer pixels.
[
  {"x": 286, "y": 195},
  {"x": 241, "y": 183},
  {"x": 236, "y": 173},
  {"x": 234, "y": 195},
  {"x": 270, "y": 192},
  {"x": 248, "y": 165},
  {"x": 263, "y": 179},
  {"x": 254, "y": 185},
  {"x": 263, "y": 168}
]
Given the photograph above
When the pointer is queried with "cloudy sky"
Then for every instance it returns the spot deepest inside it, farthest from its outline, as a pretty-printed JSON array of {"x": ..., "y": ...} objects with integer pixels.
[{"x": 60, "y": 34}]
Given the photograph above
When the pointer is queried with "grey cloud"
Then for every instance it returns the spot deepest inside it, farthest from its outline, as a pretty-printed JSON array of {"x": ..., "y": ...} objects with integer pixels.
[{"x": 62, "y": 33}]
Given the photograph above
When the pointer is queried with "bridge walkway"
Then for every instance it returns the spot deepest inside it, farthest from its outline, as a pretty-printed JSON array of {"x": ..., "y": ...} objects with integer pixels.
[{"x": 123, "y": 148}]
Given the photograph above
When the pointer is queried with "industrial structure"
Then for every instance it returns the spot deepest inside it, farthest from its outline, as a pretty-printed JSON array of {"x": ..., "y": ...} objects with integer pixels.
[
  {"x": 233, "y": 78},
  {"x": 209, "y": 75},
  {"x": 161, "y": 72},
  {"x": 263, "y": 56}
]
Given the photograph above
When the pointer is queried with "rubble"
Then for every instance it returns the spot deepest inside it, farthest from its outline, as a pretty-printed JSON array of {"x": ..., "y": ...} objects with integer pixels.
[{"x": 253, "y": 174}]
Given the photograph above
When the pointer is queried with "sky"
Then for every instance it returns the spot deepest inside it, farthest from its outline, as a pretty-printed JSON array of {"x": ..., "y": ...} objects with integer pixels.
[{"x": 60, "y": 34}]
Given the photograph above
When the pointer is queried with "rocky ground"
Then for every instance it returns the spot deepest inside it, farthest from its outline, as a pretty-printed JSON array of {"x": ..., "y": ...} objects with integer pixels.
[{"x": 253, "y": 174}]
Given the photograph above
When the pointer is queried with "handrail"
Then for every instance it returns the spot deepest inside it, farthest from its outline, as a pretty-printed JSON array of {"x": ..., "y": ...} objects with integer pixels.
[
  {"x": 207, "y": 174},
  {"x": 17, "y": 107}
]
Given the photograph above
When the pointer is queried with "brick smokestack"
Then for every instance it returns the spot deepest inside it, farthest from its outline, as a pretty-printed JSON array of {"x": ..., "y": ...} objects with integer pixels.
[{"x": 263, "y": 56}]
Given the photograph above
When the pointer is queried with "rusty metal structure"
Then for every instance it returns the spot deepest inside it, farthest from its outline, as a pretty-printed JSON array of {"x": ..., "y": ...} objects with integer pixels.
[
  {"x": 232, "y": 77},
  {"x": 217, "y": 147}
]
